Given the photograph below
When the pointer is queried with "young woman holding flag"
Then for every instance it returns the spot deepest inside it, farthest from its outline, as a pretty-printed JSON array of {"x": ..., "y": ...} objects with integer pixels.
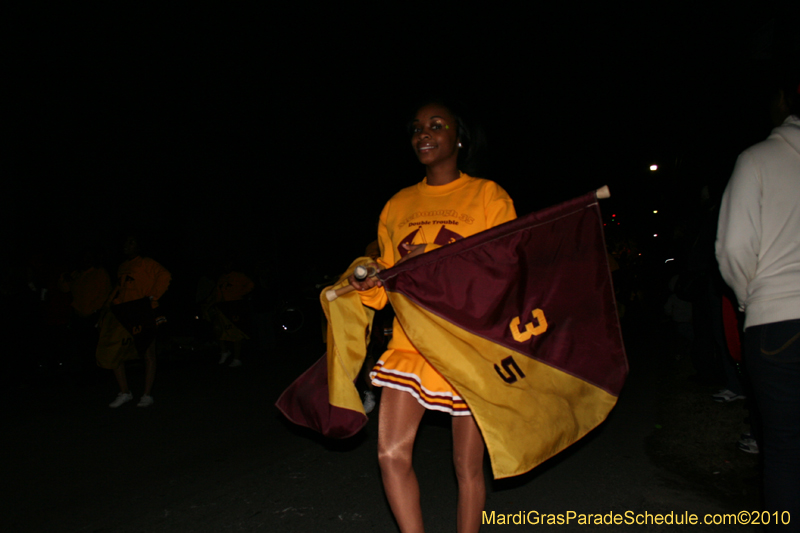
[{"x": 447, "y": 205}]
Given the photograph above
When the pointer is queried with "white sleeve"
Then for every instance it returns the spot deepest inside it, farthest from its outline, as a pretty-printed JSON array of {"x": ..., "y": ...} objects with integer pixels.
[{"x": 739, "y": 230}]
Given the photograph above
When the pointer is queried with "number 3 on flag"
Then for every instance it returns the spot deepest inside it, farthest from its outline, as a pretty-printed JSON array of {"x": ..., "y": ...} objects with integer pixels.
[{"x": 530, "y": 329}]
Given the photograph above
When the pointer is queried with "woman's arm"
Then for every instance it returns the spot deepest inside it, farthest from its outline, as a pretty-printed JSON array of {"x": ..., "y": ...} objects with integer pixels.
[
  {"x": 371, "y": 289},
  {"x": 498, "y": 205},
  {"x": 161, "y": 279}
]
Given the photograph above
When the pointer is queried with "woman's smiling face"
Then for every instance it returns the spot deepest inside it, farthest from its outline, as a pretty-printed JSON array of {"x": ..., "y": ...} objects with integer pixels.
[{"x": 435, "y": 135}]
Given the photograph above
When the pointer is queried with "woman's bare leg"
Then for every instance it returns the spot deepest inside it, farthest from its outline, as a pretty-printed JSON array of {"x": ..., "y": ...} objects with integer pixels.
[
  {"x": 122, "y": 379},
  {"x": 468, "y": 459},
  {"x": 149, "y": 368},
  {"x": 237, "y": 351},
  {"x": 400, "y": 414}
]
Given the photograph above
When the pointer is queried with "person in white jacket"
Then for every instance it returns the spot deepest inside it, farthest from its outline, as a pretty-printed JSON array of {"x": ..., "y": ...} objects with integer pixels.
[{"x": 758, "y": 249}]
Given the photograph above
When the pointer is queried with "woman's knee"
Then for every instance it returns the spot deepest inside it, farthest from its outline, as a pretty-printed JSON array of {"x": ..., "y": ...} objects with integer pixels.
[
  {"x": 468, "y": 469},
  {"x": 394, "y": 458}
]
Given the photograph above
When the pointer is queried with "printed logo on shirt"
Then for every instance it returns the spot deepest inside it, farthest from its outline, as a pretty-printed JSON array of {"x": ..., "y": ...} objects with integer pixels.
[
  {"x": 408, "y": 239},
  {"x": 448, "y": 213},
  {"x": 444, "y": 236}
]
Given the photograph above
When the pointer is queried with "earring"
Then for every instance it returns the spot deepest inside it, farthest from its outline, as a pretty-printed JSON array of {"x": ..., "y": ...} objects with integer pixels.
[{"x": 459, "y": 145}]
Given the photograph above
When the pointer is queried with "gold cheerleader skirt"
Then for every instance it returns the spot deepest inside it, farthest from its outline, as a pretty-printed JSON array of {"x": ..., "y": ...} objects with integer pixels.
[{"x": 411, "y": 372}]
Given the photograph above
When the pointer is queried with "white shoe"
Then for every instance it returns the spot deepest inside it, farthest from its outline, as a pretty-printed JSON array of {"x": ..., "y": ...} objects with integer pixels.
[
  {"x": 725, "y": 396},
  {"x": 748, "y": 444},
  {"x": 145, "y": 401},
  {"x": 122, "y": 397},
  {"x": 224, "y": 357},
  {"x": 369, "y": 401}
]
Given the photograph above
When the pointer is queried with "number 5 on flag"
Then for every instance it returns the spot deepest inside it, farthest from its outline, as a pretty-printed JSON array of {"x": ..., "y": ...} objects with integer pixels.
[{"x": 509, "y": 363}]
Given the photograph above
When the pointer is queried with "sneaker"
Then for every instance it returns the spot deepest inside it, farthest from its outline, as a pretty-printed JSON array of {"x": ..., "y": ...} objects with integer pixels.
[
  {"x": 145, "y": 401},
  {"x": 369, "y": 401},
  {"x": 224, "y": 357},
  {"x": 235, "y": 364},
  {"x": 725, "y": 396},
  {"x": 122, "y": 397},
  {"x": 748, "y": 444}
]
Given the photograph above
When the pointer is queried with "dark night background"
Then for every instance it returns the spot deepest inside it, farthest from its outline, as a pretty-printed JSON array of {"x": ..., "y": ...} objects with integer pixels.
[
  {"x": 280, "y": 131},
  {"x": 275, "y": 134}
]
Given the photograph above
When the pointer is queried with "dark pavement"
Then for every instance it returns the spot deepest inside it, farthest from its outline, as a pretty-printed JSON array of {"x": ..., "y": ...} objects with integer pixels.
[{"x": 213, "y": 455}]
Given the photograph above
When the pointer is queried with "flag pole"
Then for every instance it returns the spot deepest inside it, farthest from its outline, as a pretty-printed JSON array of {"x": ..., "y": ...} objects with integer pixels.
[{"x": 331, "y": 294}]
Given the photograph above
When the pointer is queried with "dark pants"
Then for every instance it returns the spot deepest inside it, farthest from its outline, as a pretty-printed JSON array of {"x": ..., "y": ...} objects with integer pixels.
[{"x": 773, "y": 362}]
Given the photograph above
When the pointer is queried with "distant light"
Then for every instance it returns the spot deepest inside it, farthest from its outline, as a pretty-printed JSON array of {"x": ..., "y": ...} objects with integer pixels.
[
  {"x": 612, "y": 216},
  {"x": 655, "y": 211},
  {"x": 668, "y": 260},
  {"x": 655, "y": 234},
  {"x": 653, "y": 167}
]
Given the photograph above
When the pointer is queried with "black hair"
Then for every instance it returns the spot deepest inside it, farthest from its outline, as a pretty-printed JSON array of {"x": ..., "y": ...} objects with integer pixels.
[
  {"x": 142, "y": 238},
  {"x": 471, "y": 136},
  {"x": 775, "y": 77},
  {"x": 790, "y": 85}
]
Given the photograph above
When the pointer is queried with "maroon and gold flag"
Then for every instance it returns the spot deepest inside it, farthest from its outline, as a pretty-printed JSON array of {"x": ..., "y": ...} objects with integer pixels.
[
  {"x": 325, "y": 398},
  {"x": 521, "y": 320}
]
